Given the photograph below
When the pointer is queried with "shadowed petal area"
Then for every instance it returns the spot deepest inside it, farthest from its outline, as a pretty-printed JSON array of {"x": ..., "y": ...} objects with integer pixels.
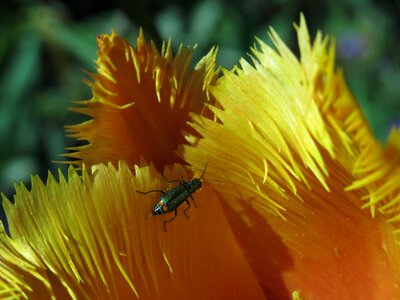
[
  {"x": 141, "y": 101},
  {"x": 298, "y": 163},
  {"x": 89, "y": 237}
]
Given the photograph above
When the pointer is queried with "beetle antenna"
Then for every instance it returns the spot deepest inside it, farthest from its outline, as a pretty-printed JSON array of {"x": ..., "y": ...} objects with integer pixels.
[{"x": 204, "y": 170}]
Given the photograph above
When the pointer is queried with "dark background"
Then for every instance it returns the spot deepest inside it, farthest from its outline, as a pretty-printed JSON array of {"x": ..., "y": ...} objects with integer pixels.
[{"x": 45, "y": 45}]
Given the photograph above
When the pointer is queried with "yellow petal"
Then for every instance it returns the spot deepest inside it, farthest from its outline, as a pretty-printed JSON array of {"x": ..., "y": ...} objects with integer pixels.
[
  {"x": 297, "y": 160},
  {"x": 89, "y": 237}
]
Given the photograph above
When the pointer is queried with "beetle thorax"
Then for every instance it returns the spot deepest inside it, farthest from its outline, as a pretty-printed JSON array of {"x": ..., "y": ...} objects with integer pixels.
[{"x": 193, "y": 185}]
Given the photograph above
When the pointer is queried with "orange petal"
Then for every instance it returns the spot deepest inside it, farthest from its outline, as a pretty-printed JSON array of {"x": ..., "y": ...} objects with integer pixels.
[{"x": 141, "y": 101}]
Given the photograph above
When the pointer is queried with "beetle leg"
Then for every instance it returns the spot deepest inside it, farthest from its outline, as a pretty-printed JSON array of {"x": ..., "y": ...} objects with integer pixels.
[
  {"x": 152, "y": 191},
  {"x": 165, "y": 222},
  {"x": 184, "y": 212},
  {"x": 193, "y": 201}
]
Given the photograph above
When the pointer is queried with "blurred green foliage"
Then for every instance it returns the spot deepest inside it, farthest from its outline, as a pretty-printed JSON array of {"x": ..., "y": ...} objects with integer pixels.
[{"x": 45, "y": 45}]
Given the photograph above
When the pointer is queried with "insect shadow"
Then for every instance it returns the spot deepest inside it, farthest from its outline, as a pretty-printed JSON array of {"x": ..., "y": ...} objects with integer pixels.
[{"x": 171, "y": 199}]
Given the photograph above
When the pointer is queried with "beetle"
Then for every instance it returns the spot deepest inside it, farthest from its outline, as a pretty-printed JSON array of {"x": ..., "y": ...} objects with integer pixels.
[{"x": 171, "y": 199}]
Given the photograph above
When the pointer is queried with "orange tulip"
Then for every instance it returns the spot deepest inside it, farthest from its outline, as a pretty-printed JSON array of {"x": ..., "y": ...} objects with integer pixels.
[{"x": 299, "y": 201}]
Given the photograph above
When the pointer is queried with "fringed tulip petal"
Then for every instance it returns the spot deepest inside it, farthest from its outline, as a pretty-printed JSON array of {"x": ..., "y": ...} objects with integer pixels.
[
  {"x": 89, "y": 238},
  {"x": 141, "y": 101},
  {"x": 297, "y": 163}
]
